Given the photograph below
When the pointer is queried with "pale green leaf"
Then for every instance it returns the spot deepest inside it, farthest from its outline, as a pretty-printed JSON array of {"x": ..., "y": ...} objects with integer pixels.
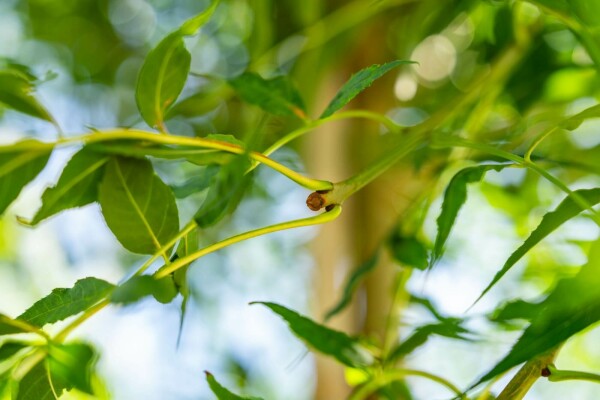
[
  {"x": 277, "y": 96},
  {"x": 566, "y": 210},
  {"x": 18, "y": 167},
  {"x": 161, "y": 79},
  {"x": 76, "y": 187},
  {"x": 197, "y": 183},
  {"x": 36, "y": 386},
  {"x": 192, "y": 25},
  {"x": 359, "y": 82},
  {"x": 63, "y": 303},
  {"x": 347, "y": 350},
  {"x": 138, "y": 207},
  {"x": 221, "y": 392},
  {"x": 72, "y": 364}
]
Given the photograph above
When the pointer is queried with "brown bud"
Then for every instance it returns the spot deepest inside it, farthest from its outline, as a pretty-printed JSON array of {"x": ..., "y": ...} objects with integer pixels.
[
  {"x": 315, "y": 201},
  {"x": 546, "y": 372}
]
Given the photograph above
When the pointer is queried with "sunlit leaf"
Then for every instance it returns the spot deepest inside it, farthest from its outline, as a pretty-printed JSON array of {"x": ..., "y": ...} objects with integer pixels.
[
  {"x": 63, "y": 303},
  {"x": 16, "y": 92},
  {"x": 221, "y": 392},
  {"x": 72, "y": 364},
  {"x": 359, "y": 82},
  {"x": 352, "y": 284},
  {"x": 571, "y": 307},
  {"x": 347, "y": 350},
  {"x": 161, "y": 79},
  {"x": 409, "y": 251},
  {"x": 76, "y": 187},
  {"x": 566, "y": 210},
  {"x": 138, "y": 207},
  {"x": 277, "y": 95},
  {"x": 138, "y": 287},
  {"x": 18, "y": 167},
  {"x": 192, "y": 25},
  {"x": 454, "y": 198}
]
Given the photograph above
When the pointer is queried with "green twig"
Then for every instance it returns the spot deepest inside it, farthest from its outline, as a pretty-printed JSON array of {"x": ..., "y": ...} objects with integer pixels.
[{"x": 558, "y": 375}]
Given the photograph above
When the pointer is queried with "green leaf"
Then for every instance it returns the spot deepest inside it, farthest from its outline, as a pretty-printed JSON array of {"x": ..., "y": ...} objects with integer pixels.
[
  {"x": 517, "y": 309},
  {"x": 221, "y": 392},
  {"x": 197, "y": 183},
  {"x": 450, "y": 328},
  {"x": 352, "y": 284},
  {"x": 138, "y": 207},
  {"x": 192, "y": 25},
  {"x": 161, "y": 79},
  {"x": 18, "y": 167},
  {"x": 225, "y": 193},
  {"x": 347, "y": 350},
  {"x": 15, "y": 93},
  {"x": 138, "y": 287},
  {"x": 76, "y": 187},
  {"x": 72, "y": 364},
  {"x": 409, "y": 251},
  {"x": 188, "y": 245},
  {"x": 9, "y": 349},
  {"x": 36, "y": 386},
  {"x": 454, "y": 198},
  {"x": 63, "y": 303},
  {"x": 277, "y": 96},
  {"x": 359, "y": 82},
  {"x": 566, "y": 210},
  {"x": 571, "y": 307}
]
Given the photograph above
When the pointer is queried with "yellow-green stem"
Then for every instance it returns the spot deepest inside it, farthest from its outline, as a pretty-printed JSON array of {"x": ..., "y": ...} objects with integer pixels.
[{"x": 181, "y": 262}]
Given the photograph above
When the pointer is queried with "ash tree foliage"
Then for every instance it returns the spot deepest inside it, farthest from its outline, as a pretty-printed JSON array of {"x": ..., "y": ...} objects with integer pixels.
[{"x": 498, "y": 122}]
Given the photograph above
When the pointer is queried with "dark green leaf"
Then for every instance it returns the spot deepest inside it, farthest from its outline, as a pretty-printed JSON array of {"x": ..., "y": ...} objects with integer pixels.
[
  {"x": 225, "y": 193},
  {"x": 9, "y": 349},
  {"x": 518, "y": 309},
  {"x": 76, "y": 187},
  {"x": 63, "y": 303},
  {"x": 454, "y": 198},
  {"x": 450, "y": 328},
  {"x": 138, "y": 207},
  {"x": 35, "y": 385},
  {"x": 15, "y": 93},
  {"x": 347, "y": 350},
  {"x": 566, "y": 210},
  {"x": 221, "y": 392},
  {"x": 138, "y": 287},
  {"x": 277, "y": 95},
  {"x": 196, "y": 184},
  {"x": 409, "y": 251},
  {"x": 18, "y": 167},
  {"x": 352, "y": 284},
  {"x": 571, "y": 307},
  {"x": 359, "y": 82},
  {"x": 72, "y": 364},
  {"x": 161, "y": 79},
  {"x": 428, "y": 305}
]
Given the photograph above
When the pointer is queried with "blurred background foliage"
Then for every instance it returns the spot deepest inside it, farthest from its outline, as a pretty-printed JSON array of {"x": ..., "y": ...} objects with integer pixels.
[{"x": 499, "y": 72}]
